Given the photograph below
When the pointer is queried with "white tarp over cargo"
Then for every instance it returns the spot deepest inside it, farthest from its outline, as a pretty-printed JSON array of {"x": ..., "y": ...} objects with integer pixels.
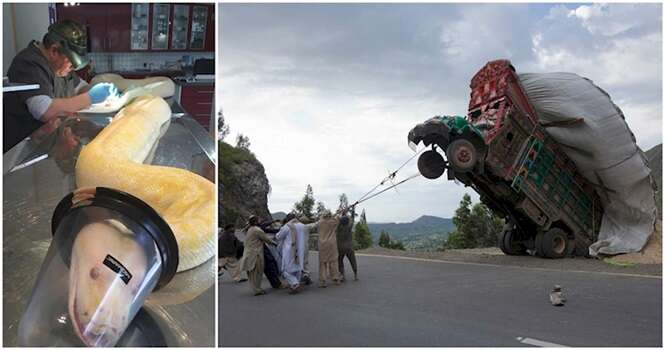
[{"x": 605, "y": 152}]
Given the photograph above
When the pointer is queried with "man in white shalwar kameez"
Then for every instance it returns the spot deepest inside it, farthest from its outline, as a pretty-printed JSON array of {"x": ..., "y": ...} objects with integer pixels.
[
  {"x": 293, "y": 245},
  {"x": 292, "y": 263}
]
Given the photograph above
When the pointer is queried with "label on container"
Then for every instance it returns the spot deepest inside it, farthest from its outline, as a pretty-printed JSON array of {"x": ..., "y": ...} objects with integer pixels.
[{"x": 115, "y": 265}]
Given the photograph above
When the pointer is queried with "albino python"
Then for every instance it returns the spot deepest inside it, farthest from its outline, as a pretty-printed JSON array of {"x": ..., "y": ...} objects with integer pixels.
[{"x": 185, "y": 200}]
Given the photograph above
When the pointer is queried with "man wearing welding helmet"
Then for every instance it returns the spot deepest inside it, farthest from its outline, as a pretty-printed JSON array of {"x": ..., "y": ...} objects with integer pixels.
[{"x": 51, "y": 64}]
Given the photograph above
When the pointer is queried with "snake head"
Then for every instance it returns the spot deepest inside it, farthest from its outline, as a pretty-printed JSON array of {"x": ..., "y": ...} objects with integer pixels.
[{"x": 106, "y": 271}]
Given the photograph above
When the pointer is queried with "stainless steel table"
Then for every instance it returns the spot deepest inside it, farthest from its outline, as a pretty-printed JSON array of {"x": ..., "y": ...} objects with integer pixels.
[{"x": 39, "y": 171}]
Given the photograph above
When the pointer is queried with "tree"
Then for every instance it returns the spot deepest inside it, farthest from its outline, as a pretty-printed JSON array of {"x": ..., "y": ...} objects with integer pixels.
[
  {"x": 486, "y": 226},
  {"x": 475, "y": 227},
  {"x": 320, "y": 209},
  {"x": 384, "y": 239},
  {"x": 362, "y": 238},
  {"x": 343, "y": 202},
  {"x": 304, "y": 208},
  {"x": 386, "y": 242},
  {"x": 396, "y": 245},
  {"x": 242, "y": 141},
  {"x": 223, "y": 128},
  {"x": 462, "y": 237}
]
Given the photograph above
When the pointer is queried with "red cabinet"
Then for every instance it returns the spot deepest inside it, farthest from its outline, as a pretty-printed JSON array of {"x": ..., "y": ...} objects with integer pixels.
[
  {"x": 109, "y": 26},
  {"x": 118, "y": 27},
  {"x": 197, "y": 100},
  {"x": 210, "y": 32}
]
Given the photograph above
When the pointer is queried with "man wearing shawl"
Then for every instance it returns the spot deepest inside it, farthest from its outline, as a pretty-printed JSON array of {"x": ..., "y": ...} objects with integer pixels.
[{"x": 328, "y": 268}]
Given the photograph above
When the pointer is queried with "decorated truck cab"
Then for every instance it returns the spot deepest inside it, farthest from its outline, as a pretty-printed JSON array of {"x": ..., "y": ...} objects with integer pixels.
[{"x": 504, "y": 153}]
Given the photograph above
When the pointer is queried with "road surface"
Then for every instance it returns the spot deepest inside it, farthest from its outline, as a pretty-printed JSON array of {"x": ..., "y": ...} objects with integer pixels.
[{"x": 418, "y": 302}]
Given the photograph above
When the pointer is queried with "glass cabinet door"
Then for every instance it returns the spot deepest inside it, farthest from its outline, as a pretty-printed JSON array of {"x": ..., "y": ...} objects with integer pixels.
[
  {"x": 160, "y": 26},
  {"x": 180, "y": 27},
  {"x": 199, "y": 22},
  {"x": 139, "y": 33}
]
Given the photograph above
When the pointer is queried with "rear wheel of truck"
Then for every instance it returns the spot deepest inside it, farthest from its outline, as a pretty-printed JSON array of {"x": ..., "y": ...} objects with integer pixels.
[
  {"x": 538, "y": 244},
  {"x": 431, "y": 164},
  {"x": 555, "y": 243},
  {"x": 462, "y": 155},
  {"x": 509, "y": 245}
]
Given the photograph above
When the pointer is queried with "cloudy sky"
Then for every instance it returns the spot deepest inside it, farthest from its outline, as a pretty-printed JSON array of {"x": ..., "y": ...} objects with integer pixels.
[{"x": 327, "y": 92}]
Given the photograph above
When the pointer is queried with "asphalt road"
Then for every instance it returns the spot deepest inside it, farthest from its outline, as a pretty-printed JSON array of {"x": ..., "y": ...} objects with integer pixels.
[{"x": 406, "y": 302}]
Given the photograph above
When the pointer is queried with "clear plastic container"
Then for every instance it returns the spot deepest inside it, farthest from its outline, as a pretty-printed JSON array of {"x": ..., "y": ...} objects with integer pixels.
[{"x": 109, "y": 252}]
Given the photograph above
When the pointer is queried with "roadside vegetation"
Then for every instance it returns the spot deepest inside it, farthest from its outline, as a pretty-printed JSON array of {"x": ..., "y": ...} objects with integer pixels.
[{"x": 475, "y": 227}]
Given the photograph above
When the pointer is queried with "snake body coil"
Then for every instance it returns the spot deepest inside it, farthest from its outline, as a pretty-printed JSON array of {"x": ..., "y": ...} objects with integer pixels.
[{"x": 185, "y": 200}]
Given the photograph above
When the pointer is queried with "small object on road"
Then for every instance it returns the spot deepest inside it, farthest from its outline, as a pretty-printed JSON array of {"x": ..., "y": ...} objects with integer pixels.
[
  {"x": 556, "y": 296},
  {"x": 307, "y": 280},
  {"x": 261, "y": 292}
]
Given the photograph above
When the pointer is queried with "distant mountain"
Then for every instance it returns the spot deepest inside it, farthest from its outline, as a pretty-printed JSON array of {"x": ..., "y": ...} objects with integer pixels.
[
  {"x": 278, "y": 215},
  {"x": 655, "y": 156},
  {"x": 425, "y": 225},
  {"x": 427, "y": 233}
]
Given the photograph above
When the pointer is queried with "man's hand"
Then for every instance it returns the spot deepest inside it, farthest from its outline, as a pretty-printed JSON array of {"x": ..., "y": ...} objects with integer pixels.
[{"x": 100, "y": 92}]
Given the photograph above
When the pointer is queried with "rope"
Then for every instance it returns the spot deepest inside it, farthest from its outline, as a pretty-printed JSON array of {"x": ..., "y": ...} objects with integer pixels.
[
  {"x": 387, "y": 188},
  {"x": 390, "y": 176}
]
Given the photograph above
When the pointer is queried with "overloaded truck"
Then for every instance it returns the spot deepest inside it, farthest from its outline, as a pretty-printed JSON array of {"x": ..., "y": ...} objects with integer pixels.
[{"x": 502, "y": 151}]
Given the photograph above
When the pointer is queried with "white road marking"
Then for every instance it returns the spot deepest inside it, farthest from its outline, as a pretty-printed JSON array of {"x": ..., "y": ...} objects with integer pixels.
[
  {"x": 540, "y": 343},
  {"x": 510, "y": 266}
]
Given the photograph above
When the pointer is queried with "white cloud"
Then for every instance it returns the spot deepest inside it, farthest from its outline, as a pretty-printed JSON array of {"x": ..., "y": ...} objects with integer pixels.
[{"x": 613, "y": 19}]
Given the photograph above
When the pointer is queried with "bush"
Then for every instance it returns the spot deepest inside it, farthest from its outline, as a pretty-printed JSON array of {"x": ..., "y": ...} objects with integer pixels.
[
  {"x": 362, "y": 238},
  {"x": 386, "y": 242}
]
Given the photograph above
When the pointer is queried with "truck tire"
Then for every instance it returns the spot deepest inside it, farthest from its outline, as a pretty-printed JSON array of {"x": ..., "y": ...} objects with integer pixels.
[
  {"x": 555, "y": 244},
  {"x": 538, "y": 244},
  {"x": 462, "y": 155},
  {"x": 431, "y": 164},
  {"x": 502, "y": 241},
  {"x": 509, "y": 245}
]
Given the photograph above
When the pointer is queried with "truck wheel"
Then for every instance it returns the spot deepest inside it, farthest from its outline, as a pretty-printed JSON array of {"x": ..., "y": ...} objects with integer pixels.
[
  {"x": 509, "y": 245},
  {"x": 431, "y": 164},
  {"x": 555, "y": 243},
  {"x": 538, "y": 243},
  {"x": 462, "y": 155}
]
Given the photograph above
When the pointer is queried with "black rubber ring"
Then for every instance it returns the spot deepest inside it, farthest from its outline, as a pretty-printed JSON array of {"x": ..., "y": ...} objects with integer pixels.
[{"x": 138, "y": 211}]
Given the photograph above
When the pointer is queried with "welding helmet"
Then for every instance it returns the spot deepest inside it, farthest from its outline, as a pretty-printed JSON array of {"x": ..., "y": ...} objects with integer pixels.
[{"x": 72, "y": 39}]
